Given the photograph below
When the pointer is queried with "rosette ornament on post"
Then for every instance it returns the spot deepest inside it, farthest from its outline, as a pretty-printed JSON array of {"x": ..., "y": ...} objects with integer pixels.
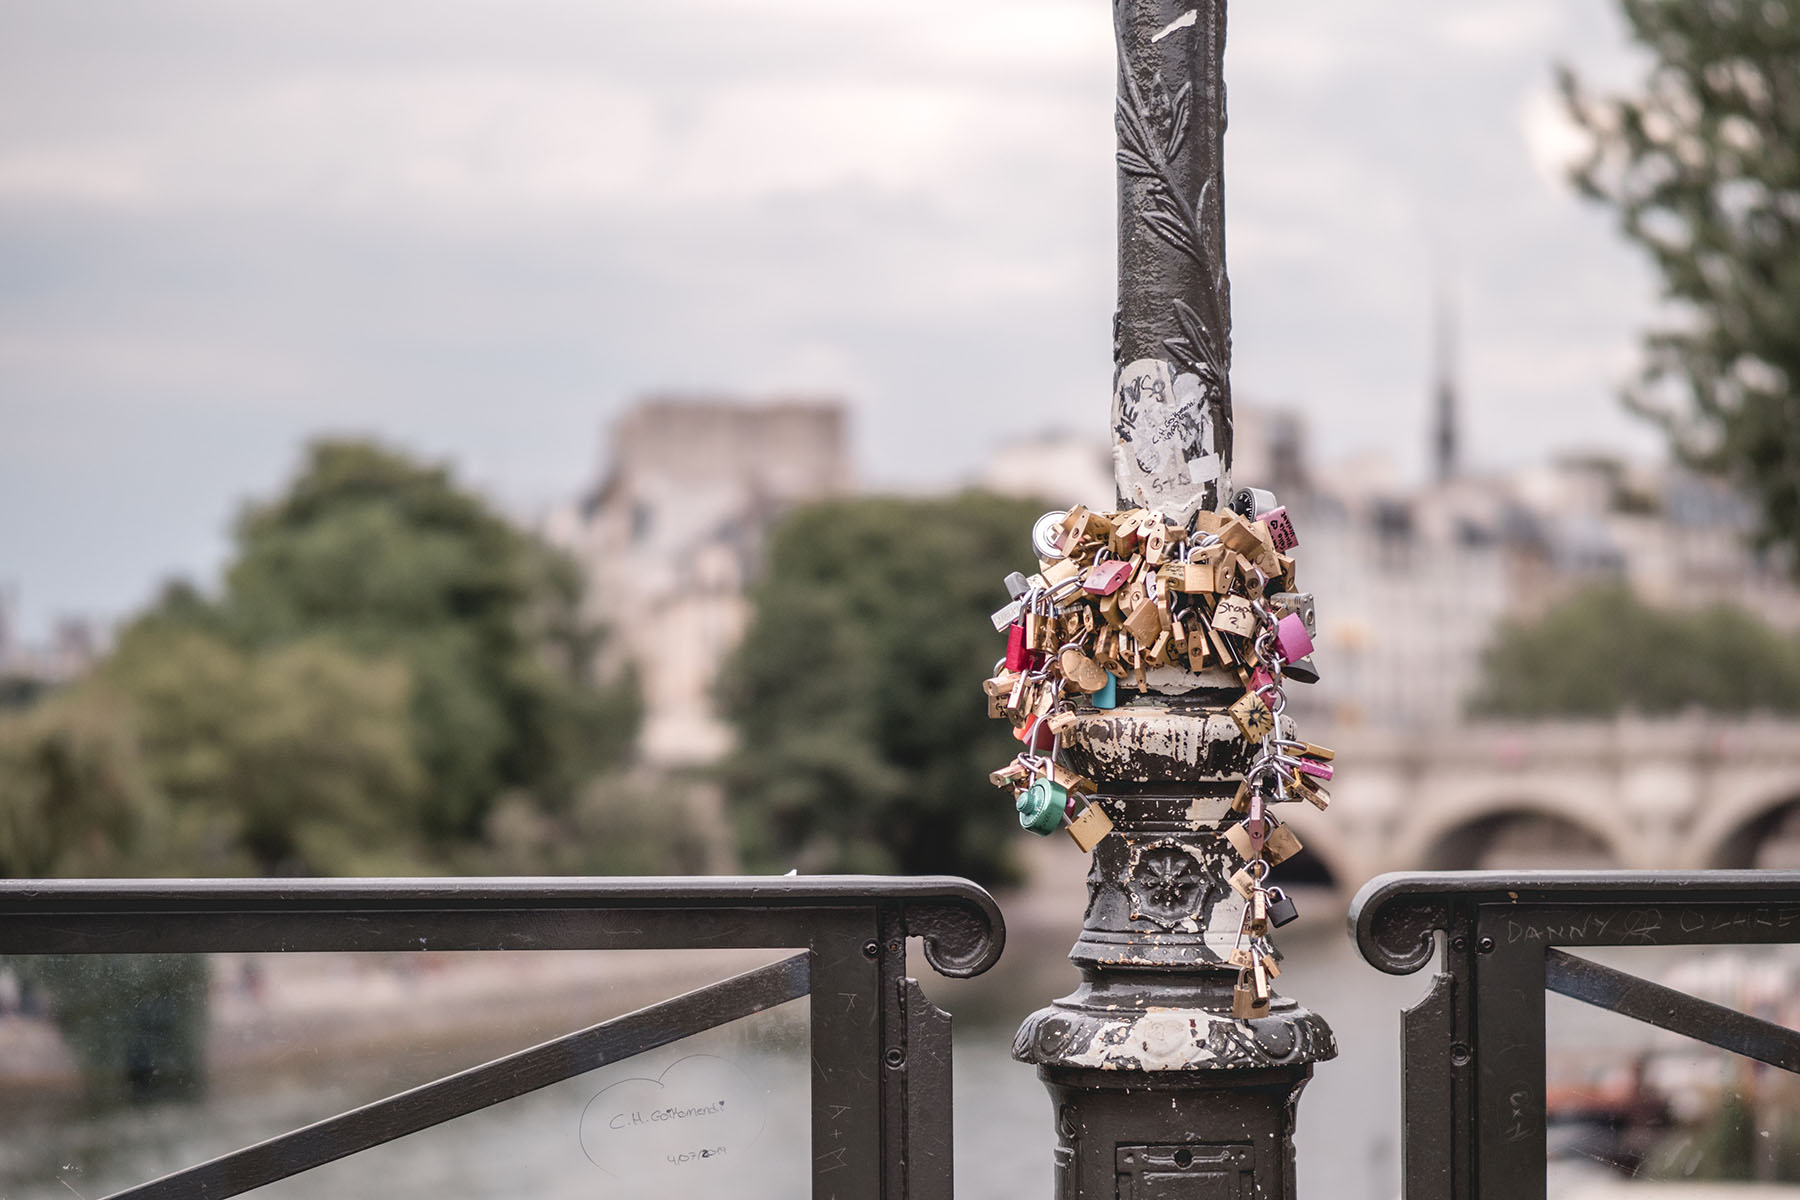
[{"x": 1146, "y": 674}]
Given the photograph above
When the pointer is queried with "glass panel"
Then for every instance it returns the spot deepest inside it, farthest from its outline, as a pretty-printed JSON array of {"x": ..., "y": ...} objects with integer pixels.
[
  {"x": 117, "y": 1069},
  {"x": 1636, "y": 1109}
]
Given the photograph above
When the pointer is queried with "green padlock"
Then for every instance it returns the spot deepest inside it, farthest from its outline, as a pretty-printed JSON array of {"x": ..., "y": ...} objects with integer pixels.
[{"x": 1042, "y": 805}]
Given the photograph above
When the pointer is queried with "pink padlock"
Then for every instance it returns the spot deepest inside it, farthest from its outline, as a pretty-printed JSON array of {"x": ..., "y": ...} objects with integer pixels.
[
  {"x": 1106, "y": 578},
  {"x": 1281, "y": 529},
  {"x": 1261, "y": 680},
  {"x": 1291, "y": 638},
  {"x": 1315, "y": 768}
]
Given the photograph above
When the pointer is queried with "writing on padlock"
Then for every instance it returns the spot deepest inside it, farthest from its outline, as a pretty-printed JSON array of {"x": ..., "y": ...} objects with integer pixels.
[
  {"x": 1089, "y": 827},
  {"x": 1281, "y": 528}
]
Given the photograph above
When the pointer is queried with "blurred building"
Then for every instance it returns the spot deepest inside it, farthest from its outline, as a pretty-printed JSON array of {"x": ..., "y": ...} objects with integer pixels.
[
  {"x": 1413, "y": 579},
  {"x": 673, "y": 533},
  {"x": 26, "y": 669}
]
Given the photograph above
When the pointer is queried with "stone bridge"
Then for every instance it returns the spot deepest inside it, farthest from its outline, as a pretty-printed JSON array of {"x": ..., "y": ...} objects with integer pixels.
[{"x": 1688, "y": 792}]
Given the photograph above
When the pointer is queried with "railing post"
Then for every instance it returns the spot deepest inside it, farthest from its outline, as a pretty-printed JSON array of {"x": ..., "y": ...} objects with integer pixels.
[{"x": 1157, "y": 1090}]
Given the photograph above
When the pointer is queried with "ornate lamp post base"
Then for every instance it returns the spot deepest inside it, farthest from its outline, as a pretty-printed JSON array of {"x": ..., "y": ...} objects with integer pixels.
[{"x": 1160, "y": 1093}]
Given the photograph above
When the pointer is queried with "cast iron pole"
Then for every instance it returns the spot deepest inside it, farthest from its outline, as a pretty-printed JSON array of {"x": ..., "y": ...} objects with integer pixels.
[{"x": 1158, "y": 1091}]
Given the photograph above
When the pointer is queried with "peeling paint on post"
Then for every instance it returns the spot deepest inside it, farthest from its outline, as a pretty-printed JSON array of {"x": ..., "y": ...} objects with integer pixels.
[{"x": 1158, "y": 1090}]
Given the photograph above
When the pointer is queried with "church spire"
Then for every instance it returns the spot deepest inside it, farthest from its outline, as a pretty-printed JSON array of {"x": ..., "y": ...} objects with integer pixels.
[{"x": 1444, "y": 433}]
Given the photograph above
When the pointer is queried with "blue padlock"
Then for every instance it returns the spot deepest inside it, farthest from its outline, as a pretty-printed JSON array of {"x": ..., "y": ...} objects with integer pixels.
[{"x": 1108, "y": 696}]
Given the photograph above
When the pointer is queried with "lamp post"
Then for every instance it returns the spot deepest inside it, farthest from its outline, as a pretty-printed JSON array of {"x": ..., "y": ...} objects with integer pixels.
[{"x": 1158, "y": 1090}]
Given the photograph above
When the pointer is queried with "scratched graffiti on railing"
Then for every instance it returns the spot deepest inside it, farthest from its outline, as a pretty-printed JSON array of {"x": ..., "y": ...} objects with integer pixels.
[{"x": 696, "y": 1117}]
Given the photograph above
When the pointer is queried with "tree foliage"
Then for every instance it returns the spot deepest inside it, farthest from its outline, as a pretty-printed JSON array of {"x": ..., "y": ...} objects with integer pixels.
[
  {"x": 389, "y": 664},
  {"x": 392, "y": 559},
  {"x": 864, "y": 740},
  {"x": 1702, "y": 166},
  {"x": 1603, "y": 651}
]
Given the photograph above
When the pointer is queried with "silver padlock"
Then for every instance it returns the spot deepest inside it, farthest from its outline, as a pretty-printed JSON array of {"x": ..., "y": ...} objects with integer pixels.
[
  {"x": 1044, "y": 535},
  {"x": 1250, "y": 503}
]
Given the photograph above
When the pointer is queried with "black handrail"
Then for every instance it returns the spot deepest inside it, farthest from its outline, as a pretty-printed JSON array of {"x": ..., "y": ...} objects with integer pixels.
[
  {"x": 1472, "y": 1051},
  {"x": 880, "y": 1051}
]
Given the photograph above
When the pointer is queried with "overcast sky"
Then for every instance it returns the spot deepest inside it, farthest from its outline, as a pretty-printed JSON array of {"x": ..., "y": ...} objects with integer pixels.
[{"x": 479, "y": 229}]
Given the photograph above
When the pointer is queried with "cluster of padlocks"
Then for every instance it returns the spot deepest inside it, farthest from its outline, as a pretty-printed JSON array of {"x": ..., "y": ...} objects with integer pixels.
[{"x": 1119, "y": 595}]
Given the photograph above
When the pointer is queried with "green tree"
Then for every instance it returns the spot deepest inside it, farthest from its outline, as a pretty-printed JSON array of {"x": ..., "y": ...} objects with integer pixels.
[
  {"x": 1603, "y": 651},
  {"x": 297, "y": 759},
  {"x": 864, "y": 739},
  {"x": 392, "y": 560},
  {"x": 1702, "y": 166},
  {"x": 76, "y": 797}
]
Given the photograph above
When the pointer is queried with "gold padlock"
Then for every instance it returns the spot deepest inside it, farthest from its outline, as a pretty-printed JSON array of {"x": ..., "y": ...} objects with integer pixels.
[
  {"x": 1090, "y": 827},
  {"x": 1282, "y": 845},
  {"x": 1254, "y": 720}
]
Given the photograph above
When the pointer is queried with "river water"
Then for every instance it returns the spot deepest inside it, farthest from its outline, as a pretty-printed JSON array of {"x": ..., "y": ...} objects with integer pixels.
[{"x": 721, "y": 1114}]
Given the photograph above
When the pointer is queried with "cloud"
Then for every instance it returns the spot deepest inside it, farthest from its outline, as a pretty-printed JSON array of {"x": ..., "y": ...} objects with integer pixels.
[
  {"x": 480, "y": 230},
  {"x": 1554, "y": 142}
]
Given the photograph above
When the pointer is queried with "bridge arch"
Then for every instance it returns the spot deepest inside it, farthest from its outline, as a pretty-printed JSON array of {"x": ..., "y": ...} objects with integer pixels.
[
  {"x": 1762, "y": 832},
  {"x": 1325, "y": 861},
  {"x": 1511, "y": 832}
]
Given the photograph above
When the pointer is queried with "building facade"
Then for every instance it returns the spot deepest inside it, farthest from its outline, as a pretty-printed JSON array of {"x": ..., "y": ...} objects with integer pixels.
[{"x": 672, "y": 535}]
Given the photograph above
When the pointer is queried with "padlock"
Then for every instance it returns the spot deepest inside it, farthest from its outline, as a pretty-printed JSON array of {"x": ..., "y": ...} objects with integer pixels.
[
  {"x": 1298, "y": 602},
  {"x": 1254, "y": 720},
  {"x": 1244, "y": 1005},
  {"x": 1046, "y": 533},
  {"x": 1012, "y": 773},
  {"x": 1070, "y": 782},
  {"x": 1036, "y": 734},
  {"x": 1259, "y": 977},
  {"x": 1291, "y": 638},
  {"x": 1281, "y": 845},
  {"x": 1243, "y": 838},
  {"x": 1256, "y": 919},
  {"x": 1144, "y": 624},
  {"x": 1281, "y": 528},
  {"x": 1240, "y": 538},
  {"x": 1251, "y": 503},
  {"x": 1082, "y": 671},
  {"x": 1196, "y": 653},
  {"x": 1309, "y": 789},
  {"x": 1006, "y": 616},
  {"x": 1234, "y": 615},
  {"x": 1156, "y": 543},
  {"x": 1318, "y": 770},
  {"x": 1041, "y": 807},
  {"x": 1301, "y": 671},
  {"x": 1107, "y": 696},
  {"x": 1281, "y": 908},
  {"x": 1016, "y": 585},
  {"x": 1061, "y": 571},
  {"x": 1240, "y": 956},
  {"x": 1105, "y": 578},
  {"x": 1018, "y": 654},
  {"x": 1090, "y": 827}
]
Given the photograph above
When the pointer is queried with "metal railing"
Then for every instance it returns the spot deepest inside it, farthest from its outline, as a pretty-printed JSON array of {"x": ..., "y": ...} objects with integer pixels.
[
  {"x": 1472, "y": 1051},
  {"x": 880, "y": 1050}
]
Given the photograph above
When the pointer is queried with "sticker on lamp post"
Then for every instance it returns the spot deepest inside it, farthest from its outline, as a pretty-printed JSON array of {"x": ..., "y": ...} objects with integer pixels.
[{"x": 1162, "y": 439}]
